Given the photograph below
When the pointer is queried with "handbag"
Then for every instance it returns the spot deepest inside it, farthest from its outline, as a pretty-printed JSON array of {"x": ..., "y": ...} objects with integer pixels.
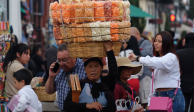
[{"x": 161, "y": 104}]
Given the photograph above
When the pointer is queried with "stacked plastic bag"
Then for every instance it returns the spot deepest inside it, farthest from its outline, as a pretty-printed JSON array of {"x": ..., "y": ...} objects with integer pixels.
[{"x": 85, "y": 21}]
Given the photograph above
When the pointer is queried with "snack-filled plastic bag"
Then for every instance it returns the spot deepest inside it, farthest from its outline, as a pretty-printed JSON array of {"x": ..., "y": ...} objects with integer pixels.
[
  {"x": 74, "y": 33},
  {"x": 126, "y": 5},
  {"x": 59, "y": 13},
  {"x": 65, "y": 35},
  {"x": 120, "y": 11},
  {"x": 87, "y": 32},
  {"x": 79, "y": 13},
  {"x": 96, "y": 32},
  {"x": 53, "y": 10},
  {"x": 105, "y": 31},
  {"x": 127, "y": 30},
  {"x": 57, "y": 33},
  {"x": 99, "y": 11},
  {"x": 115, "y": 11},
  {"x": 66, "y": 13},
  {"x": 89, "y": 11},
  {"x": 72, "y": 13},
  {"x": 121, "y": 31},
  {"x": 80, "y": 33},
  {"x": 114, "y": 31},
  {"x": 108, "y": 10},
  {"x": 69, "y": 33}
]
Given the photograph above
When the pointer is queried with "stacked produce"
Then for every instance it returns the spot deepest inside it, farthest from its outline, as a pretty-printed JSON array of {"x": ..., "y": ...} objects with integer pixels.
[{"x": 80, "y": 21}]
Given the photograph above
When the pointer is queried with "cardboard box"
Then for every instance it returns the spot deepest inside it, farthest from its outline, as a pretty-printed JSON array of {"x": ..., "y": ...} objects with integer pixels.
[{"x": 14, "y": 102}]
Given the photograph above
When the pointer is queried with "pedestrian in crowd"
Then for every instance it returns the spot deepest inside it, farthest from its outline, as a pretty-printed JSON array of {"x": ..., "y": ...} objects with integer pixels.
[
  {"x": 122, "y": 89},
  {"x": 32, "y": 67},
  {"x": 132, "y": 46},
  {"x": 97, "y": 91},
  {"x": 186, "y": 57},
  {"x": 146, "y": 49},
  {"x": 17, "y": 55},
  {"x": 38, "y": 61},
  {"x": 51, "y": 57},
  {"x": 166, "y": 70},
  {"x": 60, "y": 80},
  {"x": 181, "y": 44},
  {"x": 27, "y": 96}
]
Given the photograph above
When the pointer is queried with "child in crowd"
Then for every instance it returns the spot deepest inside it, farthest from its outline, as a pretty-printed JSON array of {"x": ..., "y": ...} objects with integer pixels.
[{"x": 22, "y": 79}]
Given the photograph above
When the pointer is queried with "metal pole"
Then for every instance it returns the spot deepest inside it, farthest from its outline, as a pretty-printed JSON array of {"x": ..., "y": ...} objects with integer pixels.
[{"x": 156, "y": 4}]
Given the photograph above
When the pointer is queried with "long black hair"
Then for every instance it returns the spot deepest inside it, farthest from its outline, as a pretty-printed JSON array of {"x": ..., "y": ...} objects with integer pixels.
[{"x": 11, "y": 54}]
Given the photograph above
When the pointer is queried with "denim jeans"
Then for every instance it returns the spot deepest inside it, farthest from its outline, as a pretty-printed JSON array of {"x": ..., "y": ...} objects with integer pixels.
[{"x": 178, "y": 102}]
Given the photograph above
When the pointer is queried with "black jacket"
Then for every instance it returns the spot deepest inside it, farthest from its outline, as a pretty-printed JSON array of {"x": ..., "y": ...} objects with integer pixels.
[
  {"x": 186, "y": 58},
  {"x": 109, "y": 81}
]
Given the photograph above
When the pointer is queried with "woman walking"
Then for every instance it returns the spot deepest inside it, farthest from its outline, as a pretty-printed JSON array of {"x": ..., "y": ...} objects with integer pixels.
[{"x": 166, "y": 70}]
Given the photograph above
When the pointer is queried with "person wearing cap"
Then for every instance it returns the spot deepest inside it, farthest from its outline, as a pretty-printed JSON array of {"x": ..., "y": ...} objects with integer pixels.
[
  {"x": 97, "y": 91},
  {"x": 122, "y": 89},
  {"x": 186, "y": 57}
]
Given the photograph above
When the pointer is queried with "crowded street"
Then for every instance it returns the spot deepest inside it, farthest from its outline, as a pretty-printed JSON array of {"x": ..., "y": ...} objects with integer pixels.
[{"x": 96, "y": 55}]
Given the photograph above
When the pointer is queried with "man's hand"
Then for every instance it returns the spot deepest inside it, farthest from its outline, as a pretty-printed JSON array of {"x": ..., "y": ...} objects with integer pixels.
[
  {"x": 94, "y": 105},
  {"x": 51, "y": 73}
]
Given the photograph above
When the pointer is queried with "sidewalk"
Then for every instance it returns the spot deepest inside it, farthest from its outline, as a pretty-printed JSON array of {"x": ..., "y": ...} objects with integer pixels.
[{"x": 49, "y": 107}]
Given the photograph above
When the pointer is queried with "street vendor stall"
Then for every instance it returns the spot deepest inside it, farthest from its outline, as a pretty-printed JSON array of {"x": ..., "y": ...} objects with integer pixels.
[{"x": 5, "y": 41}]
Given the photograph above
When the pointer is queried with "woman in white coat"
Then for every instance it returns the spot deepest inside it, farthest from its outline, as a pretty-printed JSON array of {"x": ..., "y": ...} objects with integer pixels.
[{"x": 166, "y": 70}]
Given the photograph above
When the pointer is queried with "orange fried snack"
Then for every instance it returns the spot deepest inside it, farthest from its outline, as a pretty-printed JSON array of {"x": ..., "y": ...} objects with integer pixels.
[
  {"x": 57, "y": 33},
  {"x": 53, "y": 11},
  {"x": 66, "y": 13},
  {"x": 80, "y": 33},
  {"x": 114, "y": 31},
  {"x": 115, "y": 11},
  {"x": 89, "y": 11},
  {"x": 59, "y": 13},
  {"x": 79, "y": 13},
  {"x": 72, "y": 13},
  {"x": 108, "y": 10},
  {"x": 99, "y": 11}
]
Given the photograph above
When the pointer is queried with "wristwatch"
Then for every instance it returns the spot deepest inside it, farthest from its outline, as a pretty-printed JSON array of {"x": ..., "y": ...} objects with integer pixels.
[{"x": 137, "y": 57}]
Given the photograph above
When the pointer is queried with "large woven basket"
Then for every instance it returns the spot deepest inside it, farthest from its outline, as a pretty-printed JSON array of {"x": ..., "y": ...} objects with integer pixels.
[
  {"x": 42, "y": 95},
  {"x": 91, "y": 49}
]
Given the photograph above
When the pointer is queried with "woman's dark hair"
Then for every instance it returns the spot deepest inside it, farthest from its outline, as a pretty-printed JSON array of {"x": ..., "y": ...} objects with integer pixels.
[
  {"x": 35, "y": 49},
  {"x": 11, "y": 54},
  {"x": 179, "y": 45},
  {"x": 23, "y": 74},
  {"x": 133, "y": 45},
  {"x": 167, "y": 44}
]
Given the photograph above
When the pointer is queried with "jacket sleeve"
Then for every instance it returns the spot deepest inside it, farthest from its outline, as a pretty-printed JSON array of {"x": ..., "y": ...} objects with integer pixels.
[
  {"x": 113, "y": 70},
  {"x": 34, "y": 82},
  {"x": 161, "y": 63},
  {"x": 71, "y": 106},
  {"x": 22, "y": 105},
  {"x": 147, "y": 49}
]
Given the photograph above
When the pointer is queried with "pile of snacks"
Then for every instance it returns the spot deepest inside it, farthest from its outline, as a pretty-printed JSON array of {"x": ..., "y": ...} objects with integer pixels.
[
  {"x": 90, "y": 11},
  {"x": 79, "y": 21}
]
